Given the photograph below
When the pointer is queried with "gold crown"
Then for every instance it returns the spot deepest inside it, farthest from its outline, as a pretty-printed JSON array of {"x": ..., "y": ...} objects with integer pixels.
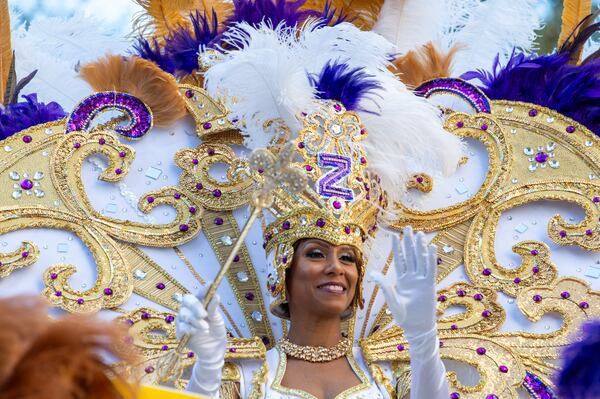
[{"x": 342, "y": 200}]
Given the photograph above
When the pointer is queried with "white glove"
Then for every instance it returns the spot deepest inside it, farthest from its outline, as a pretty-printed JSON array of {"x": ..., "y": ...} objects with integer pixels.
[
  {"x": 208, "y": 341},
  {"x": 411, "y": 299}
]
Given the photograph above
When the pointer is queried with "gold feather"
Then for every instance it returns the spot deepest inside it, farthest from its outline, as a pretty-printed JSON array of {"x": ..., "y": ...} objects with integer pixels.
[
  {"x": 6, "y": 54},
  {"x": 423, "y": 64},
  {"x": 363, "y": 13},
  {"x": 573, "y": 12},
  {"x": 140, "y": 78},
  {"x": 159, "y": 17}
]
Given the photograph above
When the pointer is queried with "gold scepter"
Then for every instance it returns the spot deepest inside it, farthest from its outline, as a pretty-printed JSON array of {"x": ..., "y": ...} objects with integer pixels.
[{"x": 275, "y": 172}]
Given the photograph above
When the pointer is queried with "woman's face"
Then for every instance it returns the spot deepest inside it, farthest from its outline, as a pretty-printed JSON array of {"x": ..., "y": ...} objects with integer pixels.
[{"x": 322, "y": 278}]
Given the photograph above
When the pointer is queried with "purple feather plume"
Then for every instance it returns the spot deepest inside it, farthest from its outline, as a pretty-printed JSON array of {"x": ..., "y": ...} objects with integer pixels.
[
  {"x": 330, "y": 16},
  {"x": 275, "y": 12},
  {"x": 348, "y": 86},
  {"x": 580, "y": 375},
  {"x": 550, "y": 81},
  {"x": 182, "y": 46},
  {"x": 19, "y": 116},
  {"x": 151, "y": 51}
]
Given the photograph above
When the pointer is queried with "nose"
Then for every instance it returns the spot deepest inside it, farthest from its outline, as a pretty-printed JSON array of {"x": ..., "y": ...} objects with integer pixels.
[{"x": 334, "y": 265}]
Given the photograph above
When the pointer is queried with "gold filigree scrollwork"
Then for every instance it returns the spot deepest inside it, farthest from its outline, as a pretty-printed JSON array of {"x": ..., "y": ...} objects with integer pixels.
[
  {"x": 212, "y": 193},
  {"x": 484, "y": 128},
  {"x": 27, "y": 254},
  {"x": 536, "y": 268},
  {"x": 66, "y": 165},
  {"x": 482, "y": 311},
  {"x": 571, "y": 298},
  {"x": 212, "y": 124}
]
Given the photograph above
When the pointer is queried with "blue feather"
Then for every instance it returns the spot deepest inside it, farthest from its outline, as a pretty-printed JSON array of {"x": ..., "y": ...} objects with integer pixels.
[
  {"x": 22, "y": 115},
  {"x": 348, "y": 86},
  {"x": 151, "y": 51},
  {"x": 550, "y": 81},
  {"x": 275, "y": 12},
  {"x": 580, "y": 374}
]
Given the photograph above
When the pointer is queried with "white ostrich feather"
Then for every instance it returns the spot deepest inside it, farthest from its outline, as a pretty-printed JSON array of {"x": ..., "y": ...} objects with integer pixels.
[
  {"x": 409, "y": 24},
  {"x": 495, "y": 26}
]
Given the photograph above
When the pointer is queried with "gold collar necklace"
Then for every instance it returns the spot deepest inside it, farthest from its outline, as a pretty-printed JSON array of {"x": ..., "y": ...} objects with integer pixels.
[{"x": 315, "y": 354}]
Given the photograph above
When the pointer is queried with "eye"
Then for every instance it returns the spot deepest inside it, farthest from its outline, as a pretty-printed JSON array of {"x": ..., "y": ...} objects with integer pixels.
[
  {"x": 348, "y": 258},
  {"x": 315, "y": 254}
]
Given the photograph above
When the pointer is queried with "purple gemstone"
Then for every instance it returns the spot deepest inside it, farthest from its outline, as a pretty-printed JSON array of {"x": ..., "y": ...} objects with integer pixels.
[
  {"x": 442, "y": 298},
  {"x": 189, "y": 93},
  {"x": 118, "y": 171},
  {"x": 53, "y": 276},
  {"x": 26, "y": 184},
  {"x": 285, "y": 226},
  {"x": 484, "y": 127},
  {"x": 249, "y": 296},
  {"x": 441, "y": 344},
  {"x": 164, "y": 347},
  {"x": 207, "y": 125},
  {"x": 24, "y": 254},
  {"x": 337, "y": 107},
  {"x": 80, "y": 301},
  {"x": 58, "y": 293},
  {"x": 584, "y": 305},
  {"x": 347, "y": 230},
  {"x": 149, "y": 370},
  {"x": 27, "y": 139},
  {"x": 108, "y": 291},
  {"x": 419, "y": 179},
  {"x": 218, "y": 221},
  {"x": 265, "y": 340},
  {"x": 362, "y": 132},
  {"x": 486, "y": 272},
  {"x": 211, "y": 152},
  {"x": 454, "y": 395},
  {"x": 217, "y": 193},
  {"x": 122, "y": 154},
  {"x": 145, "y": 316},
  {"x": 565, "y": 294},
  {"x": 195, "y": 161},
  {"x": 461, "y": 292},
  {"x": 460, "y": 124},
  {"x": 170, "y": 318},
  {"x": 491, "y": 396},
  {"x": 537, "y": 298},
  {"x": 284, "y": 260},
  {"x": 363, "y": 160},
  {"x": 541, "y": 157},
  {"x": 570, "y": 129},
  {"x": 199, "y": 186},
  {"x": 337, "y": 204},
  {"x": 596, "y": 199},
  {"x": 129, "y": 322},
  {"x": 177, "y": 196},
  {"x": 301, "y": 145},
  {"x": 101, "y": 141},
  {"x": 478, "y": 297},
  {"x": 183, "y": 227},
  {"x": 503, "y": 369},
  {"x": 589, "y": 232},
  {"x": 232, "y": 350},
  {"x": 400, "y": 348},
  {"x": 534, "y": 252},
  {"x": 517, "y": 280},
  {"x": 150, "y": 199},
  {"x": 190, "y": 354},
  {"x": 192, "y": 210},
  {"x": 440, "y": 261},
  {"x": 533, "y": 112},
  {"x": 320, "y": 222},
  {"x": 486, "y": 313},
  {"x": 481, "y": 350},
  {"x": 562, "y": 233},
  {"x": 453, "y": 327},
  {"x": 308, "y": 168},
  {"x": 236, "y": 258},
  {"x": 76, "y": 145},
  {"x": 160, "y": 286},
  {"x": 535, "y": 269}
]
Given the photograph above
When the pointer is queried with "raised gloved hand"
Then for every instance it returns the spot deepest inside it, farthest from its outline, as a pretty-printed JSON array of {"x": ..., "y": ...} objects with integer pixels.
[
  {"x": 208, "y": 341},
  {"x": 411, "y": 299}
]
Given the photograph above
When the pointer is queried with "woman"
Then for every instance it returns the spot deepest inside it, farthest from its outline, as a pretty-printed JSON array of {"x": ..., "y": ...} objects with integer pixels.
[{"x": 322, "y": 287}]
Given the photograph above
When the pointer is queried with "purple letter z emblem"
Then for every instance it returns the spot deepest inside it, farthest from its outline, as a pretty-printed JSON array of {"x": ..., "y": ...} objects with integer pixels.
[{"x": 341, "y": 168}]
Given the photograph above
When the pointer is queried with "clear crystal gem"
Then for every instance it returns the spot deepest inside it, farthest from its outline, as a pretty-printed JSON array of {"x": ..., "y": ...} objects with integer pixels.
[
  {"x": 242, "y": 277},
  {"x": 45, "y": 153},
  {"x": 200, "y": 105},
  {"x": 257, "y": 316},
  {"x": 514, "y": 180},
  {"x": 551, "y": 146},
  {"x": 39, "y": 193},
  {"x": 14, "y": 175},
  {"x": 532, "y": 168},
  {"x": 448, "y": 249},
  {"x": 48, "y": 131},
  {"x": 528, "y": 151},
  {"x": 336, "y": 129},
  {"x": 554, "y": 164},
  {"x": 592, "y": 177},
  {"x": 139, "y": 274},
  {"x": 38, "y": 175},
  {"x": 17, "y": 194},
  {"x": 509, "y": 109},
  {"x": 207, "y": 114},
  {"x": 589, "y": 143},
  {"x": 550, "y": 119},
  {"x": 221, "y": 122},
  {"x": 177, "y": 297},
  {"x": 7, "y": 148},
  {"x": 513, "y": 131},
  {"x": 303, "y": 220},
  {"x": 227, "y": 241}
]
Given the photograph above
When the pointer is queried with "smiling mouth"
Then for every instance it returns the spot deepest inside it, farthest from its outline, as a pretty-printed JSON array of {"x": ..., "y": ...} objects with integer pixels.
[{"x": 332, "y": 288}]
